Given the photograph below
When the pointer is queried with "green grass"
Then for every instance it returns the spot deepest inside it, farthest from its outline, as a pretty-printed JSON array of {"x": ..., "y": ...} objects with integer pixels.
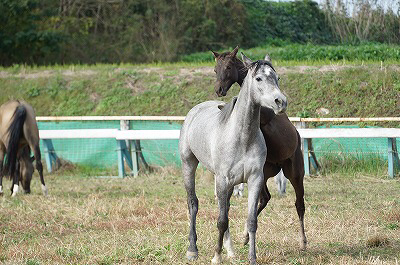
[
  {"x": 315, "y": 53},
  {"x": 86, "y": 220},
  {"x": 347, "y": 90}
]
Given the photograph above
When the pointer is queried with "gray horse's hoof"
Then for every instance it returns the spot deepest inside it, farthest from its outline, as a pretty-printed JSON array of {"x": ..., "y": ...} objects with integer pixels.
[
  {"x": 253, "y": 262},
  {"x": 191, "y": 256}
]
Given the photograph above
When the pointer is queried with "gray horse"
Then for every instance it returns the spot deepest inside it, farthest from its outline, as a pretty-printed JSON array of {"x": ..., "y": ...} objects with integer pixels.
[{"x": 230, "y": 144}]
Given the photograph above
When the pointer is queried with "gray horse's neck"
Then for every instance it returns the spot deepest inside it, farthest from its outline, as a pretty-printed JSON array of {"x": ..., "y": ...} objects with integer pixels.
[{"x": 248, "y": 113}]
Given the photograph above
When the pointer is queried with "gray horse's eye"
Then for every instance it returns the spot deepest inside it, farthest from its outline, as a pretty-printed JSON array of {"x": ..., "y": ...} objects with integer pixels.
[{"x": 258, "y": 79}]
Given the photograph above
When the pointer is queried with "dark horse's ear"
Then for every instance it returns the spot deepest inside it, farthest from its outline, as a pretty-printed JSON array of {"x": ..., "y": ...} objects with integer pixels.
[
  {"x": 267, "y": 58},
  {"x": 216, "y": 54},
  {"x": 234, "y": 52},
  {"x": 32, "y": 158},
  {"x": 247, "y": 62}
]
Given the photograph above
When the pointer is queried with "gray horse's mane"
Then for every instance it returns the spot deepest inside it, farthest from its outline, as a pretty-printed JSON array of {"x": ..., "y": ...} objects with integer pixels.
[
  {"x": 258, "y": 64},
  {"x": 226, "y": 110}
]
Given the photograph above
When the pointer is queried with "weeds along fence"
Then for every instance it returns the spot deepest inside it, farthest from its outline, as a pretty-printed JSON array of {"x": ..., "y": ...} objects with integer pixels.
[{"x": 101, "y": 154}]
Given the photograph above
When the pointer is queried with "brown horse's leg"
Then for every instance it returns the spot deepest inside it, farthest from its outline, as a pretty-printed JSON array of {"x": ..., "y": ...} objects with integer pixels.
[
  {"x": 1, "y": 171},
  {"x": 15, "y": 182},
  {"x": 293, "y": 169},
  {"x": 39, "y": 167}
]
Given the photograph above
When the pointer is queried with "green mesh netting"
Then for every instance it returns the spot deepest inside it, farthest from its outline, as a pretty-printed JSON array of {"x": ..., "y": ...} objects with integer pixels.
[
  {"x": 361, "y": 148},
  {"x": 102, "y": 153}
]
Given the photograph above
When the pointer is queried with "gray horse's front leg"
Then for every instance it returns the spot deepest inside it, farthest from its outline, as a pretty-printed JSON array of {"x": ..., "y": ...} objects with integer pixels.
[
  {"x": 264, "y": 198},
  {"x": 227, "y": 236},
  {"x": 255, "y": 184},
  {"x": 223, "y": 221}
]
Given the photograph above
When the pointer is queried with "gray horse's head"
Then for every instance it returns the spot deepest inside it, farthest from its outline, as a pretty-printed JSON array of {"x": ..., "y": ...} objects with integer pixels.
[
  {"x": 26, "y": 169},
  {"x": 226, "y": 71},
  {"x": 264, "y": 80}
]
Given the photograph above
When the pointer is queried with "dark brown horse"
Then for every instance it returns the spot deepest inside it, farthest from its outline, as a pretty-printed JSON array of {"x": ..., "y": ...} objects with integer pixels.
[
  {"x": 281, "y": 137},
  {"x": 19, "y": 135}
]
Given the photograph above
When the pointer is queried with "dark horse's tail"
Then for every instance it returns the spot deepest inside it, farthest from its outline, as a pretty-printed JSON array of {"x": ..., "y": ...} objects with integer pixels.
[{"x": 15, "y": 133}]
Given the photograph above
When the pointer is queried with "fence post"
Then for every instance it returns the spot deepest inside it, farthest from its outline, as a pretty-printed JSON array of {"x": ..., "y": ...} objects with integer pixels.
[
  {"x": 306, "y": 158},
  {"x": 393, "y": 159},
  {"x": 49, "y": 154},
  {"x": 123, "y": 146},
  {"x": 121, "y": 166},
  {"x": 134, "y": 154}
]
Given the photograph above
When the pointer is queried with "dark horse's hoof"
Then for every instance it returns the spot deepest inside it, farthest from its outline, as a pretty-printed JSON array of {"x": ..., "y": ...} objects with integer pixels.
[{"x": 191, "y": 256}]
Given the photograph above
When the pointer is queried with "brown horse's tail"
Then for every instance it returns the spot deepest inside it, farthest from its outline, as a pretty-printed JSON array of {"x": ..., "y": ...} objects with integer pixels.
[{"x": 15, "y": 132}]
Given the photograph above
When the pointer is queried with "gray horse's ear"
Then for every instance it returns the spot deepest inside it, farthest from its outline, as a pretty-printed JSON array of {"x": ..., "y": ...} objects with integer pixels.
[
  {"x": 234, "y": 52},
  {"x": 247, "y": 62},
  {"x": 216, "y": 54},
  {"x": 267, "y": 58}
]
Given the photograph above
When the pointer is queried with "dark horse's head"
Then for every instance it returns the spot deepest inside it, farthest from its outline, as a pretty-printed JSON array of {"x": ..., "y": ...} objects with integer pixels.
[{"x": 228, "y": 70}]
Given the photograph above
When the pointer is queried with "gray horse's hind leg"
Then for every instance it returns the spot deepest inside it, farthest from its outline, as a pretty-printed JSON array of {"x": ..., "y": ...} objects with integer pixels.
[
  {"x": 294, "y": 169},
  {"x": 189, "y": 165}
]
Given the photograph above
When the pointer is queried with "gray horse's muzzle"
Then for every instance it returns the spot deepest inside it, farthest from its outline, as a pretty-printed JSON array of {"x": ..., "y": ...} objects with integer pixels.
[{"x": 281, "y": 104}]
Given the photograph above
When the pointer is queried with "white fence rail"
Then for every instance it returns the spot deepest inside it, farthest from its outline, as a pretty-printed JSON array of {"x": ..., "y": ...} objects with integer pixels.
[{"x": 121, "y": 135}]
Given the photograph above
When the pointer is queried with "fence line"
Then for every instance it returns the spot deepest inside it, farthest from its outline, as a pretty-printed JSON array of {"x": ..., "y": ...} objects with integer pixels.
[{"x": 181, "y": 118}]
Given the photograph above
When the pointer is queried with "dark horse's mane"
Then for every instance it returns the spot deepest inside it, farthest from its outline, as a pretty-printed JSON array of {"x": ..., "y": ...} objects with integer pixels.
[{"x": 226, "y": 110}]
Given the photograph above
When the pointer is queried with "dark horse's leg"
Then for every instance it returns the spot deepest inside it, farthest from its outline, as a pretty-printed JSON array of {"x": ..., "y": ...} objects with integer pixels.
[
  {"x": 39, "y": 166},
  {"x": 293, "y": 169},
  {"x": 189, "y": 165}
]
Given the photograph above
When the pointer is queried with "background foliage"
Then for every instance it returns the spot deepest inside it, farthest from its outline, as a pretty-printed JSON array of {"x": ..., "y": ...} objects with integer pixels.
[{"x": 114, "y": 31}]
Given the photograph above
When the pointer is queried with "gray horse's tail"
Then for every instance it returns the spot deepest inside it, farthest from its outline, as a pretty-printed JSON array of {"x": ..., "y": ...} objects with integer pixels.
[{"x": 15, "y": 132}]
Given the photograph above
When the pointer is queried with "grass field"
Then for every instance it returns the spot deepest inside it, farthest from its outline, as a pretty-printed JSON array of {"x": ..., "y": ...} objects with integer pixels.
[
  {"x": 346, "y": 89},
  {"x": 353, "y": 219}
]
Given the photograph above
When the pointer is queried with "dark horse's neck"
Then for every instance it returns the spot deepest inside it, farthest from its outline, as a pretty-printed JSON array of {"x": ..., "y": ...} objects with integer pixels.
[
  {"x": 267, "y": 114},
  {"x": 242, "y": 70}
]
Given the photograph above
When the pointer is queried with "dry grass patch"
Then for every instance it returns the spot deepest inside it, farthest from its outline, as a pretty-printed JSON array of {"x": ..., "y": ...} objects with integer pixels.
[{"x": 87, "y": 220}]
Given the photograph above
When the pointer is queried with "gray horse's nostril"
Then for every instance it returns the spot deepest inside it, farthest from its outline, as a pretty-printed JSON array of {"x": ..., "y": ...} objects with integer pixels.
[{"x": 279, "y": 102}]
